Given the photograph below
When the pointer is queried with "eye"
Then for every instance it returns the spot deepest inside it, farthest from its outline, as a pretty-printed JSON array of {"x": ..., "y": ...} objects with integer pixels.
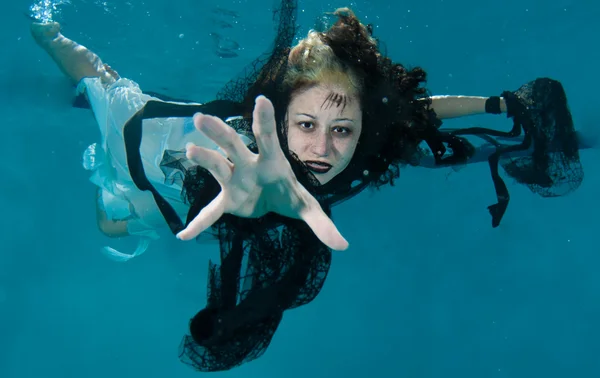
[
  {"x": 306, "y": 125},
  {"x": 341, "y": 129}
]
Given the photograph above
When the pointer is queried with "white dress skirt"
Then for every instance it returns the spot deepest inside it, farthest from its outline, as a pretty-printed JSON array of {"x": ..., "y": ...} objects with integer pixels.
[{"x": 113, "y": 105}]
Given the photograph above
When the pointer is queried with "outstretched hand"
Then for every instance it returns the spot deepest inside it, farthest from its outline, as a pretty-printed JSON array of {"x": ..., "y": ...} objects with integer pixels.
[{"x": 253, "y": 185}]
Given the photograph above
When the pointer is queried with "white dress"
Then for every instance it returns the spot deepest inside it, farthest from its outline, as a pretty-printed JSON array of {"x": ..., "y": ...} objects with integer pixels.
[{"x": 113, "y": 105}]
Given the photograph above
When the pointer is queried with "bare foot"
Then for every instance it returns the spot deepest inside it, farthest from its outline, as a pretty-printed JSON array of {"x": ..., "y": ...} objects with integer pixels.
[{"x": 44, "y": 33}]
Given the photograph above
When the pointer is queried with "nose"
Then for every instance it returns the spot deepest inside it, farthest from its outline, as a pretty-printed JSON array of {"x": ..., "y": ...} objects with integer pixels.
[{"x": 321, "y": 143}]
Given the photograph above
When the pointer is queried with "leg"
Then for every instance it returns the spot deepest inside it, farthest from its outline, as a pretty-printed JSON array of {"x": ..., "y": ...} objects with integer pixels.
[
  {"x": 77, "y": 62},
  {"x": 74, "y": 60}
]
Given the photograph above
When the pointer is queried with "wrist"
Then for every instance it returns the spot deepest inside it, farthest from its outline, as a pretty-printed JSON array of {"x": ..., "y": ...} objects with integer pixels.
[
  {"x": 495, "y": 105},
  {"x": 502, "y": 105}
]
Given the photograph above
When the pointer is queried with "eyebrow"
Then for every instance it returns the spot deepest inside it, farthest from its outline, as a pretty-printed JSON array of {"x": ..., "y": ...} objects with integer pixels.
[{"x": 337, "y": 119}]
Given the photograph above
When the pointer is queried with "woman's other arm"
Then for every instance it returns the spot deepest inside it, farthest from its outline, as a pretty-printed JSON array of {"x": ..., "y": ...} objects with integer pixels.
[{"x": 461, "y": 106}]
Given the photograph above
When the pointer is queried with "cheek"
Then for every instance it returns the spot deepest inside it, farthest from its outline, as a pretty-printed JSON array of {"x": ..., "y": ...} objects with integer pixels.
[
  {"x": 293, "y": 140},
  {"x": 347, "y": 148}
]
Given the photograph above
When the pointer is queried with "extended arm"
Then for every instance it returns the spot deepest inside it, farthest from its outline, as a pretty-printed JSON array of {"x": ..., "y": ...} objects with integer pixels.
[{"x": 461, "y": 106}]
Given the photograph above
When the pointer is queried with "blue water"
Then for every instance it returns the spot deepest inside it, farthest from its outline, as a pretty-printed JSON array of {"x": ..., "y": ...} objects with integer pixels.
[{"x": 428, "y": 289}]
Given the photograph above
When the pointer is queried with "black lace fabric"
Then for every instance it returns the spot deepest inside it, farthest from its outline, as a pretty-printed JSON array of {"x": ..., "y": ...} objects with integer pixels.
[
  {"x": 553, "y": 168},
  {"x": 285, "y": 268}
]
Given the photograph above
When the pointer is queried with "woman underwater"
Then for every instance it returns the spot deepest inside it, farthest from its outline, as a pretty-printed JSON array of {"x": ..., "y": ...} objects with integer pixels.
[{"x": 308, "y": 127}]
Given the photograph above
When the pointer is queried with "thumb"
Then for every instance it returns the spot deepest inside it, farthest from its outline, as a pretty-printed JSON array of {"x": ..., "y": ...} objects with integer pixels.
[{"x": 324, "y": 228}]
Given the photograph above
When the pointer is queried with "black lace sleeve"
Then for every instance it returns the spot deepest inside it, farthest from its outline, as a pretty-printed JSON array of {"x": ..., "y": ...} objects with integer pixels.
[
  {"x": 553, "y": 167},
  {"x": 546, "y": 159}
]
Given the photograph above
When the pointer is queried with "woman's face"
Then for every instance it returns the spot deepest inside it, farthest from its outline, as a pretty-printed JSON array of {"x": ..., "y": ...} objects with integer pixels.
[{"x": 324, "y": 124}]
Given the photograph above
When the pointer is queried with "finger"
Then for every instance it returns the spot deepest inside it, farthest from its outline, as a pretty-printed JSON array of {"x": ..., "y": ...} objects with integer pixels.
[
  {"x": 224, "y": 136},
  {"x": 264, "y": 128},
  {"x": 206, "y": 218},
  {"x": 214, "y": 162},
  {"x": 324, "y": 228}
]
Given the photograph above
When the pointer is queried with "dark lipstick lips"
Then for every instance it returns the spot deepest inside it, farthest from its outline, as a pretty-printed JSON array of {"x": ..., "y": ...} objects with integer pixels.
[{"x": 317, "y": 166}]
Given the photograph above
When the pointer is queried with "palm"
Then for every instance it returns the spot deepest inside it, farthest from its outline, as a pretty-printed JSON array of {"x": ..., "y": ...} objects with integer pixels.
[{"x": 255, "y": 184}]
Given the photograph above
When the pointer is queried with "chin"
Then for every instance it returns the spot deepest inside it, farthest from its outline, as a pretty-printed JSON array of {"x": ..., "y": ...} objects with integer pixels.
[{"x": 323, "y": 180}]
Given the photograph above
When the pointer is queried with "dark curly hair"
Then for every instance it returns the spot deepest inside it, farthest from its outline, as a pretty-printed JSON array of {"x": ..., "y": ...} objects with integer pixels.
[
  {"x": 395, "y": 105},
  {"x": 396, "y": 108}
]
